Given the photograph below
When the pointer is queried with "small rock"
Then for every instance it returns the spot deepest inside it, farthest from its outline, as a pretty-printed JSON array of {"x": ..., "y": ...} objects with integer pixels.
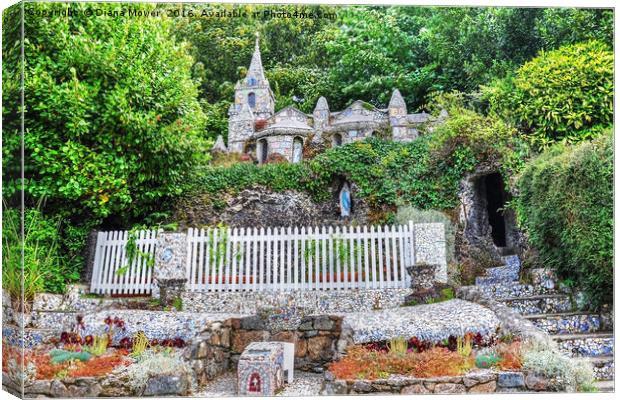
[
  {"x": 362, "y": 387},
  {"x": 510, "y": 379},
  {"x": 166, "y": 385},
  {"x": 319, "y": 348},
  {"x": 418, "y": 388},
  {"x": 488, "y": 387},
  {"x": 323, "y": 323},
  {"x": 253, "y": 323},
  {"x": 38, "y": 386},
  {"x": 306, "y": 324},
  {"x": 329, "y": 376},
  {"x": 449, "y": 388},
  {"x": 536, "y": 382},
  {"x": 334, "y": 387},
  {"x": 57, "y": 389}
]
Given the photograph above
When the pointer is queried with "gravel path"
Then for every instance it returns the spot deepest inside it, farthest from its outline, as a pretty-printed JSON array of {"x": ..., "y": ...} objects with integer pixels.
[
  {"x": 304, "y": 384},
  {"x": 433, "y": 322}
]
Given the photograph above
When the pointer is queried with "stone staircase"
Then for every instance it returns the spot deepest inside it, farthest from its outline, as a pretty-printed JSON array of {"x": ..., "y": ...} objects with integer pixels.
[{"x": 578, "y": 333}]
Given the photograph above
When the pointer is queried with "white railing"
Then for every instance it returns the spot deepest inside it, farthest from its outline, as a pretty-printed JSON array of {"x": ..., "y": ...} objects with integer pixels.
[
  {"x": 270, "y": 259},
  {"x": 111, "y": 259},
  {"x": 279, "y": 259}
]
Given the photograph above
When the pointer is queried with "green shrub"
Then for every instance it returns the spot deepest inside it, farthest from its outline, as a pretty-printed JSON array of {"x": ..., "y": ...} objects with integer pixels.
[
  {"x": 565, "y": 204},
  {"x": 59, "y": 356},
  {"x": 572, "y": 372},
  {"x": 565, "y": 94}
]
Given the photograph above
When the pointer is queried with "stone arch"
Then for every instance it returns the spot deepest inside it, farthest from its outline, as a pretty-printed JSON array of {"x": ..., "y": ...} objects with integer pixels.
[
  {"x": 336, "y": 140},
  {"x": 298, "y": 149},
  {"x": 487, "y": 221}
]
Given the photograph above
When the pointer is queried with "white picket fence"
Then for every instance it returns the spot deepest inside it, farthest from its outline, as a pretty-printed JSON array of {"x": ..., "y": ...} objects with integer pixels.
[
  {"x": 281, "y": 259},
  {"x": 271, "y": 259},
  {"x": 110, "y": 256}
]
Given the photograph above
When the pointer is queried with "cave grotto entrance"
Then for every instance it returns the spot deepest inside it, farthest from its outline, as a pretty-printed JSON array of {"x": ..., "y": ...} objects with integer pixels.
[{"x": 495, "y": 197}]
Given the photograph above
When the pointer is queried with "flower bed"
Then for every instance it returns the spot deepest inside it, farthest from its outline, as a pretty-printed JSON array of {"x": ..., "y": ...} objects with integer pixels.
[
  {"x": 457, "y": 365},
  {"x": 77, "y": 365},
  {"x": 423, "y": 359}
]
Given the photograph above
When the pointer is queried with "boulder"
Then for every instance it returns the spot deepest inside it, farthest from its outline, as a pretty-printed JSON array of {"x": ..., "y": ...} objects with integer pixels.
[{"x": 167, "y": 385}]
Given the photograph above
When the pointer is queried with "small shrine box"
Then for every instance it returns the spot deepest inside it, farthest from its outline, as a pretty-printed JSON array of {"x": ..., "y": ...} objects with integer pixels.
[{"x": 260, "y": 371}]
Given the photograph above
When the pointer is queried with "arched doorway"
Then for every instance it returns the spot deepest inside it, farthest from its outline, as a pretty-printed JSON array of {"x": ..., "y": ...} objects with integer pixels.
[
  {"x": 336, "y": 140},
  {"x": 262, "y": 150},
  {"x": 252, "y": 100},
  {"x": 298, "y": 148}
]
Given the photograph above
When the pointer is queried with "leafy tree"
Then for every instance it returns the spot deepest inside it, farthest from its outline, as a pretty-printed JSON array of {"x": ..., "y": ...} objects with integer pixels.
[
  {"x": 565, "y": 94},
  {"x": 557, "y": 27},
  {"x": 113, "y": 124}
]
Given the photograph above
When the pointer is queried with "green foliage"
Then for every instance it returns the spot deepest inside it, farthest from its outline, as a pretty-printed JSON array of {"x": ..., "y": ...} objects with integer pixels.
[
  {"x": 99, "y": 345},
  {"x": 557, "y": 27},
  {"x": 561, "y": 95},
  {"x": 398, "y": 346},
  {"x": 469, "y": 137},
  {"x": 366, "y": 52},
  {"x": 445, "y": 295},
  {"x": 140, "y": 344},
  {"x": 177, "y": 303},
  {"x": 43, "y": 267},
  {"x": 141, "y": 258},
  {"x": 112, "y": 116},
  {"x": 565, "y": 204},
  {"x": 59, "y": 356}
]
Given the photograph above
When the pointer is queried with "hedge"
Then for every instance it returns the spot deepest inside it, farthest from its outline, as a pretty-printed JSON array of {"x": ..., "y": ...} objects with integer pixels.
[{"x": 565, "y": 204}]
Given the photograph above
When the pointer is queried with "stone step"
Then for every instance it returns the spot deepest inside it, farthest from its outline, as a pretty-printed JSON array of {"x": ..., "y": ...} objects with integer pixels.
[
  {"x": 604, "y": 386},
  {"x": 509, "y": 272},
  {"x": 539, "y": 304},
  {"x": 492, "y": 280},
  {"x": 569, "y": 322},
  {"x": 603, "y": 367},
  {"x": 515, "y": 289},
  {"x": 586, "y": 344},
  {"x": 512, "y": 261}
]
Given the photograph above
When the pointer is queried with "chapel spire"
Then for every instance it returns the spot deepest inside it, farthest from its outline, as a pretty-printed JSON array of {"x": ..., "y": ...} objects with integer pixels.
[{"x": 256, "y": 66}]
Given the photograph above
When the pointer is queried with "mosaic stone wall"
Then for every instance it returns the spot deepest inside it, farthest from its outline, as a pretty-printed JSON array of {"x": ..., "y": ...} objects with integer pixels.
[
  {"x": 430, "y": 248},
  {"x": 315, "y": 302}
]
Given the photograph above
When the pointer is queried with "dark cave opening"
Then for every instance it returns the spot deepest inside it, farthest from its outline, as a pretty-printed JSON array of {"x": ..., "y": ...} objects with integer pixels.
[{"x": 495, "y": 197}]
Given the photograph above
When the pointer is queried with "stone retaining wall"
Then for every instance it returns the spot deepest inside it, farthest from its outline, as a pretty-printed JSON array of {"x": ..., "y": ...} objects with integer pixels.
[
  {"x": 218, "y": 347},
  {"x": 482, "y": 381},
  {"x": 103, "y": 386}
]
